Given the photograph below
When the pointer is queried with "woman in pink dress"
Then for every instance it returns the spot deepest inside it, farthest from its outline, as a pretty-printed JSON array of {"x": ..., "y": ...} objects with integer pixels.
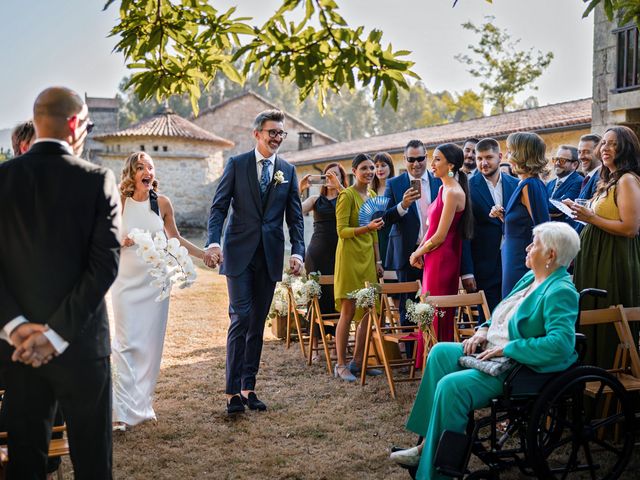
[{"x": 450, "y": 220}]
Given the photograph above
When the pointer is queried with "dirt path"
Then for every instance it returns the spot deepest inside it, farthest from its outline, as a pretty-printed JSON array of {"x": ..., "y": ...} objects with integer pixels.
[{"x": 316, "y": 427}]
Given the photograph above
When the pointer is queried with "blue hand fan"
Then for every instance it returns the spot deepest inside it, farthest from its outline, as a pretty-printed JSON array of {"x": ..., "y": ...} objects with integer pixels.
[{"x": 372, "y": 208}]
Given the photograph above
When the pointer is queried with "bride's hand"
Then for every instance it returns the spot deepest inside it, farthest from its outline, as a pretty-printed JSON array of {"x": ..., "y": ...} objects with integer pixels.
[{"x": 128, "y": 242}]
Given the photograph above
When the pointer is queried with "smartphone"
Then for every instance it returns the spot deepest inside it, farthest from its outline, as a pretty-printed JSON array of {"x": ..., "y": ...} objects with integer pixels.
[
  {"x": 317, "y": 179},
  {"x": 417, "y": 185}
]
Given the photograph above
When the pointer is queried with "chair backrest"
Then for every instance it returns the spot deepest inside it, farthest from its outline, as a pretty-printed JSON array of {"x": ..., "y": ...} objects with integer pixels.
[
  {"x": 462, "y": 300},
  {"x": 631, "y": 314},
  {"x": 400, "y": 287},
  {"x": 618, "y": 317}
]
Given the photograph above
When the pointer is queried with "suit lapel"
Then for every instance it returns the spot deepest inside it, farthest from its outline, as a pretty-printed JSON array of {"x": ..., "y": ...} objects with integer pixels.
[
  {"x": 483, "y": 191},
  {"x": 252, "y": 175},
  {"x": 507, "y": 189}
]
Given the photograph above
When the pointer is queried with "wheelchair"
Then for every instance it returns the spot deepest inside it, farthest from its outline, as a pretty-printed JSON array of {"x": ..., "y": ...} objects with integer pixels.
[{"x": 547, "y": 427}]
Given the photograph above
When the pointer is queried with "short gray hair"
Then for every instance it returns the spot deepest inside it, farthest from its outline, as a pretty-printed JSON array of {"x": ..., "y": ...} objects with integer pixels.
[
  {"x": 559, "y": 237},
  {"x": 273, "y": 114}
]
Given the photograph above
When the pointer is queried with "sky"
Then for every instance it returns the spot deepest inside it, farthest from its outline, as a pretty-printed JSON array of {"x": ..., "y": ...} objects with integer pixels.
[{"x": 65, "y": 42}]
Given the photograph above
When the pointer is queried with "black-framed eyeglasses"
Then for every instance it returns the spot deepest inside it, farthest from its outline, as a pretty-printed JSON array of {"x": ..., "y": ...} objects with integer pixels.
[
  {"x": 421, "y": 158},
  {"x": 273, "y": 133},
  {"x": 562, "y": 161}
]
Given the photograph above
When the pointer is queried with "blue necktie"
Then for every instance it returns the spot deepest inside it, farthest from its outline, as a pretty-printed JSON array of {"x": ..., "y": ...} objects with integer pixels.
[{"x": 264, "y": 177}]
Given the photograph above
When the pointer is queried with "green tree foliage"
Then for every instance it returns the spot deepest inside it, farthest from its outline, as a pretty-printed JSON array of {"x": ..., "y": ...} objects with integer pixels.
[
  {"x": 178, "y": 47},
  {"x": 624, "y": 10},
  {"x": 503, "y": 69}
]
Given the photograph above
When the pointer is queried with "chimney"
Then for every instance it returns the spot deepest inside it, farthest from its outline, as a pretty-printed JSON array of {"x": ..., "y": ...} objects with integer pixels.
[{"x": 305, "y": 140}]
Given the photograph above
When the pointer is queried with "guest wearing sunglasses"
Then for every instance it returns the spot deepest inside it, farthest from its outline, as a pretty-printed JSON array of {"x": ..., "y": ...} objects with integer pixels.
[{"x": 407, "y": 214}]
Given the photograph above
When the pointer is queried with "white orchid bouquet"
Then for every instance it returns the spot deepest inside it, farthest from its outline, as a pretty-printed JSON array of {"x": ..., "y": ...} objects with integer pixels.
[
  {"x": 169, "y": 262},
  {"x": 422, "y": 313},
  {"x": 365, "y": 297}
]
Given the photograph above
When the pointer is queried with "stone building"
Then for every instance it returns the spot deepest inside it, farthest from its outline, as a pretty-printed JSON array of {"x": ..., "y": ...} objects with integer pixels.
[
  {"x": 561, "y": 123},
  {"x": 233, "y": 118},
  {"x": 616, "y": 74},
  {"x": 104, "y": 114},
  {"x": 188, "y": 160}
]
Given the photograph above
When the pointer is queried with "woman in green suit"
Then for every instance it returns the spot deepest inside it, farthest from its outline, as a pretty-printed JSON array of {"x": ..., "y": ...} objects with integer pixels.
[
  {"x": 534, "y": 325},
  {"x": 357, "y": 261}
]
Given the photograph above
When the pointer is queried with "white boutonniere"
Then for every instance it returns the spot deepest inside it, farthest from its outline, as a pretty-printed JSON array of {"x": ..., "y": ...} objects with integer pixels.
[{"x": 278, "y": 178}]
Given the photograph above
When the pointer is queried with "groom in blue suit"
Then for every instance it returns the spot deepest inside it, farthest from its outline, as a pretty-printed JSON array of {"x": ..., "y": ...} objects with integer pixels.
[
  {"x": 408, "y": 214},
  {"x": 262, "y": 190},
  {"x": 481, "y": 257}
]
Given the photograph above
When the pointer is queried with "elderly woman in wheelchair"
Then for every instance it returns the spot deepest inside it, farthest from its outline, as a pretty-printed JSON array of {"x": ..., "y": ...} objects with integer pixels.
[{"x": 534, "y": 326}]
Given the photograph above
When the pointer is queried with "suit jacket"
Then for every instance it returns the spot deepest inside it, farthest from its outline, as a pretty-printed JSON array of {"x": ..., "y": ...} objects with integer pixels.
[
  {"x": 542, "y": 331},
  {"x": 481, "y": 255},
  {"x": 405, "y": 229},
  {"x": 588, "y": 192},
  {"x": 570, "y": 188},
  {"x": 254, "y": 221},
  {"x": 60, "y": 217}
]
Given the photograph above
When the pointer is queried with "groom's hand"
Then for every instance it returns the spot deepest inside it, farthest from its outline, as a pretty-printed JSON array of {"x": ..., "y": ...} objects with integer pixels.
[
  {"x": 36, "y": 350},
  {"x": 23, "y": 331},
  {"x": 213, "y": 257},
  {"x": 295, "y": 265}
]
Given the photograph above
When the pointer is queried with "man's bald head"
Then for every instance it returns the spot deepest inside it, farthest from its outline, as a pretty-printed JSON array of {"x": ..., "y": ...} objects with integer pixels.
[
  {"x": 57, "y": 102},
  {"x": 61, "y": 113}
]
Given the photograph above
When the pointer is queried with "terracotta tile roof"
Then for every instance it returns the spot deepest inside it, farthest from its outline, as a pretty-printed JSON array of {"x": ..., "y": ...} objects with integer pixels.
[
  {"x": 167, "y": 123},
  {"x": 566, "y": 115},
  {"x": 270, "y": 105}
]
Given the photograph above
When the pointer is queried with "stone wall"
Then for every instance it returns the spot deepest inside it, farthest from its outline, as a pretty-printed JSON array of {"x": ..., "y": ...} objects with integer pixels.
[
  {"x": 187, "y": 172},
  {"x": 233, "y": 121},
  {"x": 609, "y": 108}
]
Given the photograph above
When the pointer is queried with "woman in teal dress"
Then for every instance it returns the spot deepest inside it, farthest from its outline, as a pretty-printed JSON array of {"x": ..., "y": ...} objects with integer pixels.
[
  {"x": 357, "y": 261},
  {"x": 610, "y": 255},
  {"x": 534, "y": 326},
  {"x": 527, "y": 207}
]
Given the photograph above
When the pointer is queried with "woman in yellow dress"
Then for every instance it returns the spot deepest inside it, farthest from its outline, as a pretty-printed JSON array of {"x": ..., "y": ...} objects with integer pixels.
[{"x": 357, "y": 261}]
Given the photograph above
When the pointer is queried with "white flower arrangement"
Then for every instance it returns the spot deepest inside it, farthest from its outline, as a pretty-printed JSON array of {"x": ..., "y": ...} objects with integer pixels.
[
  {"x": 278, "y": 177},
  {"x": 422, "y": 314},
  {"x": 280, "y": 302},
  {"x": 365, "y": 297},
  {"x": 169, "y": 261},
  {"x": 304, "y": 288}
]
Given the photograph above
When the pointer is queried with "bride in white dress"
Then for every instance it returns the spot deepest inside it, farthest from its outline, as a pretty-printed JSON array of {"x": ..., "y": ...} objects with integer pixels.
[{"x": 140, "y": 321}]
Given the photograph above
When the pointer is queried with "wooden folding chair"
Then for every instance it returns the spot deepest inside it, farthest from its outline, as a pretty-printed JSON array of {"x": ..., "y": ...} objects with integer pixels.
[
  {"x": 396, "y": 334},
  {"x": 322, "y": 320},
  {"x": 58, "y": 447},
  {"x": 389, "y": 313},
  {"x": 467, "y": 305},
  {"x": 295, "y": 314},
  {"x": 626, "y": 364}
]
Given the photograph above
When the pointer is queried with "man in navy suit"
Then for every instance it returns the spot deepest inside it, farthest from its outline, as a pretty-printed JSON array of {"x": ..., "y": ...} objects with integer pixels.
[
  {"x": 262, "y": 190},
  {"x": 567, "y": 183},
  {"x": 591, "y": 167},
  {"x": 482, "y": 261},
  {"x": 408, "y": 214}
]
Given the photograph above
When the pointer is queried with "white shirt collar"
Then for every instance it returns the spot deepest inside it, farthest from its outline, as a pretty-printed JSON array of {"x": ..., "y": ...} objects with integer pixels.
[
  {"x": 260, "y": 157},
  {"x": 489, "y": 184},
  {"x": 594, "y": 171},
  {"x": 64, "y": 144}
]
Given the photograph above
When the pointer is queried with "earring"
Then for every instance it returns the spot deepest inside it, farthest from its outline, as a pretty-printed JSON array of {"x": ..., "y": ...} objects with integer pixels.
[
  {"x": 450, "y": 174},
  {"x": 547, "y": 266}
]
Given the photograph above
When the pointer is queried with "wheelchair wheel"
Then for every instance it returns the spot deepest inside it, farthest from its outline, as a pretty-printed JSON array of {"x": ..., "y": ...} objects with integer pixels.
[
  {"x": 482, "y": 475},
  {"x": 572, "y": 434}
]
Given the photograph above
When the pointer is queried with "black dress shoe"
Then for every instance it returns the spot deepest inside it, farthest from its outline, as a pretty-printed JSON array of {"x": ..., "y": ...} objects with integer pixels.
[
  {"x": 235, "y": 405},
  {"x": 253, "y": 402}
]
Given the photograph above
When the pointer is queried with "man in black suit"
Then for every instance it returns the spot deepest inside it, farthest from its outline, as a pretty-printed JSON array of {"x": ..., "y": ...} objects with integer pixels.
[{"x": 59, "y": 255}]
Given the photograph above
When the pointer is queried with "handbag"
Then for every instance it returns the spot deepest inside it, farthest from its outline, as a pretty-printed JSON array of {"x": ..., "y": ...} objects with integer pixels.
[{"x": 494, "y": 366}]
